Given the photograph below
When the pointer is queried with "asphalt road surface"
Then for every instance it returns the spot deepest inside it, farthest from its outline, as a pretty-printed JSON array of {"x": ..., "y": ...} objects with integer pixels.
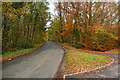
[
  {"x": 42, "y": 63},
  {"x": 111, "y": 72}
]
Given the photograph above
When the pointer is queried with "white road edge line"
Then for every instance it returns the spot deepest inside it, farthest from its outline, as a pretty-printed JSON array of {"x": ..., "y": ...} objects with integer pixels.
[{"x": 88, "y": 70}]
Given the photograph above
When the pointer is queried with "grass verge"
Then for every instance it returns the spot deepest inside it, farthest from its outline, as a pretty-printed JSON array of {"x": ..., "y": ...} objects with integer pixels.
[
  {"x": 13, "y": 54},
  {"x": 80, "y": 61}
]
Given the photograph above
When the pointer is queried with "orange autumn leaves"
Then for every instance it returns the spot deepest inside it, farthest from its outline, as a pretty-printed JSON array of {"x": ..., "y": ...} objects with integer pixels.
[
  {"x": 97, "y": 39},
  {"x": 85, "y": 25}
]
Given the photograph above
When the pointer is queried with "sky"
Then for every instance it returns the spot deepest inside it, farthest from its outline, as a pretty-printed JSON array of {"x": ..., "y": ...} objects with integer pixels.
[
  {"x": 52, "y": 8},
  {"x": 52, "y": 11}
]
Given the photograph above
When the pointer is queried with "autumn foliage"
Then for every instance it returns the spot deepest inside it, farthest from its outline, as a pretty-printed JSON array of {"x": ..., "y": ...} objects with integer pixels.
[
  {"x": 22, "y": 25},
  {"x": 90, "y": 25}
]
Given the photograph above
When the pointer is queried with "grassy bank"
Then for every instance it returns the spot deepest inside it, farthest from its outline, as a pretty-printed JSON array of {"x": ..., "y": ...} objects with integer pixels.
[
  {"x": 80, "y": 61},
  {"x": 13, "y": 54}
]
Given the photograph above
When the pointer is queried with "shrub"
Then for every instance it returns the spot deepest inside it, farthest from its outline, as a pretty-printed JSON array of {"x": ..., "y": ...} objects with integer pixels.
[
  {"x": 23, "y": 43},
  {"x": 99, "y": 39}
]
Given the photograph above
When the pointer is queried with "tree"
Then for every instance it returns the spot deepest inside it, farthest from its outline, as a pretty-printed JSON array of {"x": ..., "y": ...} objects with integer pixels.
[
  {"x": 83, "y": 25},
  {"x": 23, "y": 24}
]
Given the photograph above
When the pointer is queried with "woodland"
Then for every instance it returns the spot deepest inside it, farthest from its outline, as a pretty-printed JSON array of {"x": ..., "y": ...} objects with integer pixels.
[
  {"x": 89, "y": 25},
  {"x": 86, "y": 25}
]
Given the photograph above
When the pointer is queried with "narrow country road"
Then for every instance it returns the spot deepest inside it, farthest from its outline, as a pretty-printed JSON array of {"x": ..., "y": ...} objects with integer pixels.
[{"x": 42, "y": 63}]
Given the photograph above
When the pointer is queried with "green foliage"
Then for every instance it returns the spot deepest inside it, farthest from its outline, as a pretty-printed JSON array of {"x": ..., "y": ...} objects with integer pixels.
[
  {"x": 53, "y": 32},
  {"x": 23, "y": 24},
  {"x": 15, "y": 52},
  {"x": 17, "y": 5},
  {"x": 22, "y": 43}
]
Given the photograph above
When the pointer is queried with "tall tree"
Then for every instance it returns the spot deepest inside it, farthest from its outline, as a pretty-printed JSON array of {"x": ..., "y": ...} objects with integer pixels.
[
  {"x": 23, "y": 24},
  {"x": 87, "y": 23}
]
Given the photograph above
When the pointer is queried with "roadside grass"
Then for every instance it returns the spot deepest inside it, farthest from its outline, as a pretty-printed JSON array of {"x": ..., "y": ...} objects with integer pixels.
[
  {"x": 80, "y": 61},
  {"x": 15, "y": 52},
  {"x": 12, "y": 53}
]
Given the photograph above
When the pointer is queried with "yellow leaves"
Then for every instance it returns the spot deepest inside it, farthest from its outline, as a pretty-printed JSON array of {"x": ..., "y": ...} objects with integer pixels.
[
  {"x": 116, "y": 38},
  {"x": 112, "y": 36},
  {"x": 11, "y": 12},
  {"x": 23, "y": 11},
  {"x": 11, "y": 16},
  {"x": 98, "y": 29},
  {"x": 93, "y": 42}
]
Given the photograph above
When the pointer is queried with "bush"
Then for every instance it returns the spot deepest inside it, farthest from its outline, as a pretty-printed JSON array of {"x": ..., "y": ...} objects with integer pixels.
[
  {"x": 99, "y": 39},
  {"x": 23, "y": 43},
  {"x": 78, "y": 46}
]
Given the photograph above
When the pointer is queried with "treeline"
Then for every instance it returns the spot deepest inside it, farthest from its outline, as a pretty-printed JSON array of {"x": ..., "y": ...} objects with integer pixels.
[
  {"x": 89, "y": 25},
  {"x": 23, "y": 24}
]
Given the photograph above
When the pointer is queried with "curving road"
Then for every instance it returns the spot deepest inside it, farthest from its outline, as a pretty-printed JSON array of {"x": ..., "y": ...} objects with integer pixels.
[{"x": 42, "y": 63}]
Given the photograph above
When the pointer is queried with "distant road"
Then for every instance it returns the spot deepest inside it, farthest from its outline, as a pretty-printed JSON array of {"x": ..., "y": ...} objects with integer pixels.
[{"x": 42, "y": 63}]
